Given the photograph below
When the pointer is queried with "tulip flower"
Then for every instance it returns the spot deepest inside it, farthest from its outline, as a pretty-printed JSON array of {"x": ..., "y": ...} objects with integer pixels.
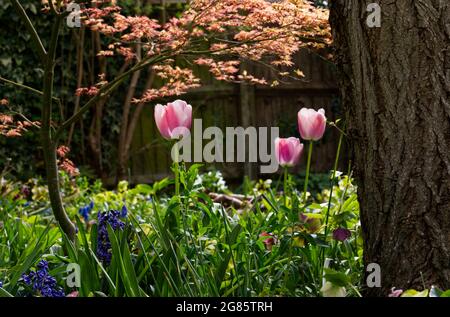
[
  {"x": 311, "y": 124},
  {"x": 173, "y": 120},
  {"x": 288, "y": 151}
]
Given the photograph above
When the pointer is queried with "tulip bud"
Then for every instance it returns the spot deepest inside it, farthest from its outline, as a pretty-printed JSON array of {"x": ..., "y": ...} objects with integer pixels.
[
  {"x": 288, "y": 151},
  {"x": 311, "y": 124},
  {"x": 173, "y": 120}
]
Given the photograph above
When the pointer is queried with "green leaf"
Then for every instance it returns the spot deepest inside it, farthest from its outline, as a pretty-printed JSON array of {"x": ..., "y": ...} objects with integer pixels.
[
  {"x": 337, "y": 278},
  {"x": 144, "y": 189},
  {"x": 158, "y": 186},
  {"x": 72, "y": 252},
  {"x": 127, "y": 274},
  {"x": 32, "y": 257},
  {"x": 108, "y": 278},
  {"x": 222, "y": 267},
  {"x": 446, "y": 294},
  {"x": 5, "y": 61},
  {"x": 414, "y": 293},
  {"x": 5, "y": 293}
]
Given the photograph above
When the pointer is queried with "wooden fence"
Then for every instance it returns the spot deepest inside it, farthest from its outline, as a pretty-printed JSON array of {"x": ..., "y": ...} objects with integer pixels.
[{"x": 232, "y": 105}]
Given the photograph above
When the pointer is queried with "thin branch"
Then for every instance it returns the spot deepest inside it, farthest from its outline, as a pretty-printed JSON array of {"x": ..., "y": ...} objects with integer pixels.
[
  {"x": 80, "y": 58},
  {"x": 40, "y": 50},
  {"x": 25, "y": 118},
  {"x": 137, "y": 112},
  {"x": 38, "y": 92},
  {"x": 127, "y": 103},
  {"x": 31, "y": 89},
  {"x": 106, "y": 90},
  {"x": 49, "y": 77}
]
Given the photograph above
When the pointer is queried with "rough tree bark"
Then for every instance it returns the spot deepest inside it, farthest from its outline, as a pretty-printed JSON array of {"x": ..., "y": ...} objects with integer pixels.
[{"x": 395, "y": 84}]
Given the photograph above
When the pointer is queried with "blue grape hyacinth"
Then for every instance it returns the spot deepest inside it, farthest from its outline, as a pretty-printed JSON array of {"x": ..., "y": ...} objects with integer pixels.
[
  {"x": 103, "y": 243},
  {"x": 124, "y": 211},
  {"x": 42, "y": 282},
  {"x": 84, "y": 211}
]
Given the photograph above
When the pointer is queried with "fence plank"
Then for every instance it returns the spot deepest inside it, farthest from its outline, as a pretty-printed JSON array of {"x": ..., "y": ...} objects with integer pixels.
[{"x": 223, "y": 104}]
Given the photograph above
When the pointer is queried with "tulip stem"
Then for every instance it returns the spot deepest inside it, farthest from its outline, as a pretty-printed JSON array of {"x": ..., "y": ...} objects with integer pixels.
[
  {"x": 177, "y": 172},
  {"x": 177, "y": 181},
  {"x": 332, "y": 180},
  {"x": 308, "y": 166},
  {"x": 177, "y": 191},
  {"x": 336, "y": 161},
  {"x": 285, "y": 185}
]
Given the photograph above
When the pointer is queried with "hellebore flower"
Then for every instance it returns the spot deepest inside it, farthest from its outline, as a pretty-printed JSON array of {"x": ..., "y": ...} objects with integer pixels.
[
  {"x": 341, "y": 234},
  {"x": 173, "y": 120},
  {"x": 311, "y": 222},
  {"x": 270, "y": 241},
  {"x": 311, "y": 124},
  {"x": 288, "y": 151}
]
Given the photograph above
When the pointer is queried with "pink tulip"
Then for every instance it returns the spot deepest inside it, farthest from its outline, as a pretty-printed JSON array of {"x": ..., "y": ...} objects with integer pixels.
[
  {"x": 173, "y": 120},
  {"x": 311, "y": 123},
  {"x": 288, "y": 151}
]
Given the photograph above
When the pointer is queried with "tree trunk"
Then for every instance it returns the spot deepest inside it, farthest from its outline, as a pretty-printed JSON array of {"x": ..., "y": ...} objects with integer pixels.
[
  {"x": 395, "y": 85},
  {"x": 48, "y": 145},
  {"x": 54, "y": 190}
]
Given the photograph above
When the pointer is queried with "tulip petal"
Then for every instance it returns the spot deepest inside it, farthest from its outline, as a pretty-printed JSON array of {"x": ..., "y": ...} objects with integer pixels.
[
  {"x": 179, "y": 115},
  {"x": 318, "y": 128},
  {"x": 173, "y": 114},
  {"x": 161, "y": 122},
  {"x": 311, "y": 123},
  {"x": 297, "y": 152},
  {"x": 288, "y": 151},
  {"x": 277, "y": 150}
]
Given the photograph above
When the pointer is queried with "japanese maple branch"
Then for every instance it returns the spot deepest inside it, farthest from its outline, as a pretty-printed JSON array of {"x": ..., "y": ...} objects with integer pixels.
[
  {"x": 106, "y": 90},
  {"x": 31, "y": 89},
  {"x": 25, "y": 118},
  {"x": 48, "y": 143},
  {"x": 49, "y": 75},
  {"x": 39, "y": 47}
]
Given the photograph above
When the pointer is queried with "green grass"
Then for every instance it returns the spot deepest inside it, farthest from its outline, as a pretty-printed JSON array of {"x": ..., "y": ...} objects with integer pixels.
[{"x": 190, "y": 246}]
